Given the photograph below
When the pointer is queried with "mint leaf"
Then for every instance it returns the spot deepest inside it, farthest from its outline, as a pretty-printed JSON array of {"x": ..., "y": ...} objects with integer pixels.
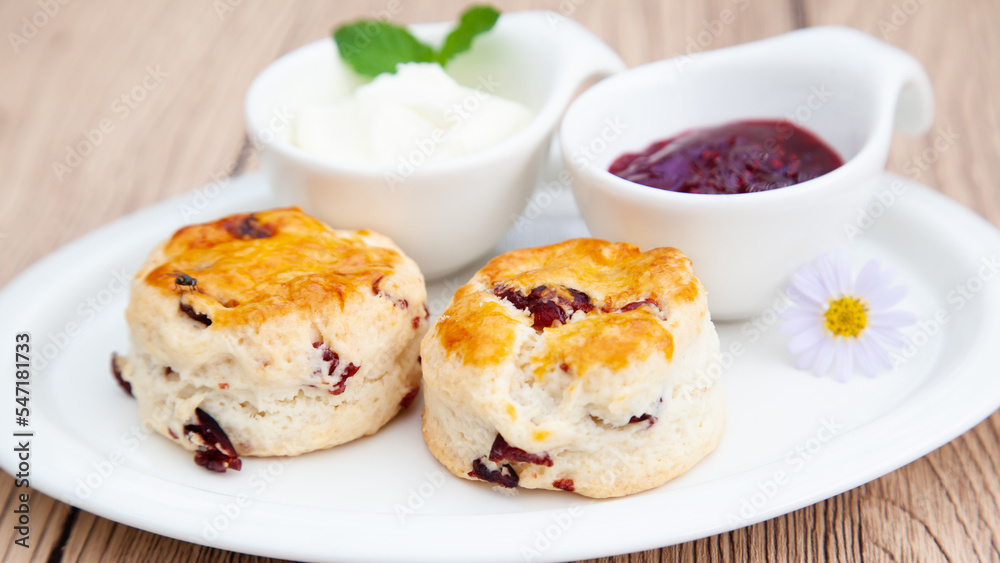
[
  {"x": 475, "y": 20},
  {"x": 372, "y": 47}
]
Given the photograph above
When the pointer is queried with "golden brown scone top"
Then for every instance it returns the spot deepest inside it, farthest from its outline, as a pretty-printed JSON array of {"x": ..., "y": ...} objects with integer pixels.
[
  {"x": 251, "y": 266},
  {"x": 626, "y": 298}
]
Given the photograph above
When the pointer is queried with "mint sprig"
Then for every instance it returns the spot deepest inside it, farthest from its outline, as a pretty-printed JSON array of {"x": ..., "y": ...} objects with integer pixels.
[
  {"x": 475, "y": 20},
  {"x": 372, "y": 47}
]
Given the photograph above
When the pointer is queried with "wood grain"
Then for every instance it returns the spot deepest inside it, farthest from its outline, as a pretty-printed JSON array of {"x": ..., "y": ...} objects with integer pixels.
[{"x": 188, "y": 130}]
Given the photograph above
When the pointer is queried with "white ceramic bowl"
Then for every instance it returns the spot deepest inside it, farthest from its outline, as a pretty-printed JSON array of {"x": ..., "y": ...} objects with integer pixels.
[
  {"x": 445, "y": 214},
  {"x": 839, "y": 83}
]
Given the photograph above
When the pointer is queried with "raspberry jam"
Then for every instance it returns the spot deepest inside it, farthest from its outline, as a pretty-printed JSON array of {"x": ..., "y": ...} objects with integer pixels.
[{"x": 735, "y": 158}]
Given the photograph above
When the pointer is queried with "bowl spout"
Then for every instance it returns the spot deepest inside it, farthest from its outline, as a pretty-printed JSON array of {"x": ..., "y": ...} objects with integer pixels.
[
  {"x": 902, "y": 84},
  {"x": 578, "y": 56}
]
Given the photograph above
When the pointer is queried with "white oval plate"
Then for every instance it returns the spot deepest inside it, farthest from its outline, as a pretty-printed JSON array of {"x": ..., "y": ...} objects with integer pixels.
[{"x": 791, "y": 439}]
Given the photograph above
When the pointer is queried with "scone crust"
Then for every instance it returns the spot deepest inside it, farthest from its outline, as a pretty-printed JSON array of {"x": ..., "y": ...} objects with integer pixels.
[
  {"x": 291, "y": 335},
  {"x": 608, "y": 395}
]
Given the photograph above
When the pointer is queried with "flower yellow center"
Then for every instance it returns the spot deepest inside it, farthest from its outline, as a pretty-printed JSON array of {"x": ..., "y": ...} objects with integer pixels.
[{"x": 846, "y": 316}]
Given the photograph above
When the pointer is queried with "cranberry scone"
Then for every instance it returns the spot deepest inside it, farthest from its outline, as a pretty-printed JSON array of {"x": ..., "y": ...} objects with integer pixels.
[
  {"x": 272, "y": 334},
  {"x": 580, "y": 366}
]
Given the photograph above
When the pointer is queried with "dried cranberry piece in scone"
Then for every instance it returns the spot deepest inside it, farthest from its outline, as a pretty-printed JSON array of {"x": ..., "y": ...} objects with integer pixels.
[
  {"x": 643, "y": 418},
  {"x": 501, "y": 450},
  {"x": 396, "y": 301},
  {"x": 580, "y": 302},
  {"x": 547, "y": 305},
  {"x": 636, "y": 304},
  {"x": 215, "y": 452},
  {"x": 407, "y": 399},
  {"x": 349, "y": 371},
  {"x": 504, "y": 475},
  {"x": 334, "y": 360},
  {"x": 564, "y": 484},
  {"x": 195, "y": 315},
  {"x": 247, "y": 227},
  {"x": 117, "y": 372}
]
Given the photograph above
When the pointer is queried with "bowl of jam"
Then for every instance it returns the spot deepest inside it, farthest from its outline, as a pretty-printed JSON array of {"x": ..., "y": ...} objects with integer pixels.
[
  {"x": 734, "y": 158},
  {"x": 750, "y": 159}
]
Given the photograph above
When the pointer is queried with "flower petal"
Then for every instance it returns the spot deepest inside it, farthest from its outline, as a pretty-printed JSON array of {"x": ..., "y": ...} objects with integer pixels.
[
  {"x": 805, "y": 340},
  {"x": 824, "y": 359},
  {"x": 864, "y": 358},
  {"x": 799, "y": 311},
  {"x": 885, "y": 297},
  {"x": 807, "y": 284},
  {"x": 881, "y": 300},
  {"x": 808, "y": 357},
  {"x": 801, "y": 323},
  {"x": 842, "y": 272},
  {"x": 827, "y": 275},
  {"x": 877, "y": 352},
  {"x": 891, "y": 319},
  {"x": 887, "y": 337},
  {"x": 844, "y": 360},
  {"x": 888, "y": 275},
  {"x": 869, "y": 279}
]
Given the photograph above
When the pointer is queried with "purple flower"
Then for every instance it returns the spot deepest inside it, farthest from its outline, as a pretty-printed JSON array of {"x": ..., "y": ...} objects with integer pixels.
[{"x": 839, "y": 322}]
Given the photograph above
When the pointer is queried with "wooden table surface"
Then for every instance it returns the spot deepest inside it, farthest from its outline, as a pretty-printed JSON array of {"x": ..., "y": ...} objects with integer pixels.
[{"x": 65, "y": 70}]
